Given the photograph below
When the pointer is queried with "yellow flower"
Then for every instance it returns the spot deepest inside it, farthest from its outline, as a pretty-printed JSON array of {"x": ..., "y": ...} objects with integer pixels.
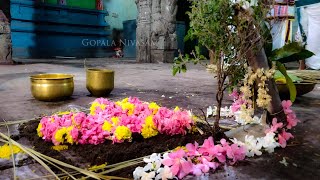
[
  {"x": 176, "y": 109},
  {"x": 72, "y": 119},
  {"x": 125, "y": 100},
  {"x": 94, "y": 106},
  {"x": 115, "y": 120},
  {"x": 149, "y": 129},
  {"x": 106, "y": 126},
  {"x": 60, "y": 147},
  {"x": 128, "y": 106},
  {"x": 5, "y": 151},
  {"x": 39, "y": 130},
  {"x": 122, "y": 133},
  {"x": 69, "y": 136},
  {"x": 154, "y": 106},
  {"x": 60, "y": 134}
]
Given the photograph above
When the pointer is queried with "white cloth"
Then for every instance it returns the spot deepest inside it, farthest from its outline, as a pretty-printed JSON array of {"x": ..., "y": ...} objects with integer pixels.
[
  {"x": 281, "y": 33},
  {"x": 310, "y": 21}
]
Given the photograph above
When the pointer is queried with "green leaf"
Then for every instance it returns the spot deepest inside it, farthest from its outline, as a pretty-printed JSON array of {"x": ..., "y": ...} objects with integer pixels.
[
  {"x": 290, "y": 84},
  {"x": 279, "y": 75},
  {"x": 184, "y": 68},
  {"x": 290, "y": 52},
  {"x": 197, "y": 49},
  {"x": 175, "y": 70}
]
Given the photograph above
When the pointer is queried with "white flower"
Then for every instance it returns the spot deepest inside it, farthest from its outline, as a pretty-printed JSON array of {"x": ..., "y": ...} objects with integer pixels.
[
  {"x": 154, "y": 162},
  {"x": 269, "y": 143},
  {"x": 209, "y": 111},
  {"x": 226, "y": 111},
  {"x": 165, "y": 155},
  {"x": 257, "y": 120},
  {"x": 236, "y": 141},
  {"x": 138, "y": 172},
  {"x": 238, "y": 119},
  {"x": 284, "y": 162},
  {"x": 253, "y": 146},
  {"x": 148, "y": 176},
  {"x": 164, "y": 173}
]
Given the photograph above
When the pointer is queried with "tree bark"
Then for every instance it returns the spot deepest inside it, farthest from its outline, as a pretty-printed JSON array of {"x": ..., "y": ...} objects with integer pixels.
[{"x": 257, "y": 59}]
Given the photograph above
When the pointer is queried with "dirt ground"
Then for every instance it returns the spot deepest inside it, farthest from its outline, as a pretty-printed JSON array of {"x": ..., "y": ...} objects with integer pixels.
[{"x": 154, "y": 82}]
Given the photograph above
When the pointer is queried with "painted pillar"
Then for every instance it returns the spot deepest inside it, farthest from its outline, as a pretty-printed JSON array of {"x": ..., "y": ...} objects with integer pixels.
[{"x": 5, "y": 33}]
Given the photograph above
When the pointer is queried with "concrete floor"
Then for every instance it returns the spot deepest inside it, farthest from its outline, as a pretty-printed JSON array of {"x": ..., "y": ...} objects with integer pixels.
[{"x": 153, "y": 82}]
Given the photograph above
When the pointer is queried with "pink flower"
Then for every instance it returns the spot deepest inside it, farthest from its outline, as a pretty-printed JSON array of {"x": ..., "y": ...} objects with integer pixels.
[
  {"x": 49, "y": 126},
  {"x": 292, "y": 120},
  {"x": 172, "y": 122},
  {"x": 192, "y": 149},
  {"x": 142, "y": 109},
  {"x": 235, "y": 94},
  {"x": 74, "y": 134},
  {"x": 103, "y": 101},
  {"x": 204, "y": 166},
  {"x": 234, "y": 152},
  {"x": 178, "y": 164},
  {"x": 197, "y": 169},
  {"x": 236, "y": 105},
  {"x": 275, "y": 126},
  {"x": 134, "y": 123},
  {"x": 286, "y": 106},
  {"x": 283, "y": 138},
  {"x": 134, "y": 100},
  {"x": 79, "y": 118},
  {"x": 209, "y": 149}
]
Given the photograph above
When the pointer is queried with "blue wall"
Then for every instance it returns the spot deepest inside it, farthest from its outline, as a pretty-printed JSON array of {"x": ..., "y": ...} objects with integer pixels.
[
  {"x": 46, "y": 31},
  {"x": 119, "y": 11}
]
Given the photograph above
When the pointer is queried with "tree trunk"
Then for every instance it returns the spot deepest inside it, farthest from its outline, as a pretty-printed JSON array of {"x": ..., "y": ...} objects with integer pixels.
[{"x": 258, "y": 60}]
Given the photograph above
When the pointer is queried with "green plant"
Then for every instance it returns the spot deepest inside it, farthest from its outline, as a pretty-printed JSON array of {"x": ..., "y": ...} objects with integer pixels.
[
  {"x": 218, "y": 26},
  {"x": 290, "y": 52},
  {"x": 237, "y": 36}
]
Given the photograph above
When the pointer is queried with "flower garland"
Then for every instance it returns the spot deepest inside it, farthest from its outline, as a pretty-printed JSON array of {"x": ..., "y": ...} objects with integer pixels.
[
  {"x": 243, "y": 103},
  {"x": 193, "y": 160},
  {"x": 198, "y": 160},
  {"x": 115, "y": 121}
]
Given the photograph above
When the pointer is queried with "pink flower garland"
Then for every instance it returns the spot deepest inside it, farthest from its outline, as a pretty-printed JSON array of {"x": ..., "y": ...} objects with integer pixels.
[{"x": 197, "y": 160}]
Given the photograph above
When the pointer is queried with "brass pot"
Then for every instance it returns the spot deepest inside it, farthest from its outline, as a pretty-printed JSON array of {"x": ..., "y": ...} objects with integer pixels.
[
  {"x": 52, "y": 87},
  {"x": 100, "y": 82}
]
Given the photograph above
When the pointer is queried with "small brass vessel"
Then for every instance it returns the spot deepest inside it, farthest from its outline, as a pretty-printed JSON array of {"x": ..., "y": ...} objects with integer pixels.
[
  {"x": 100, "y": 82},
  {"x": 52, "y": 87}
]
